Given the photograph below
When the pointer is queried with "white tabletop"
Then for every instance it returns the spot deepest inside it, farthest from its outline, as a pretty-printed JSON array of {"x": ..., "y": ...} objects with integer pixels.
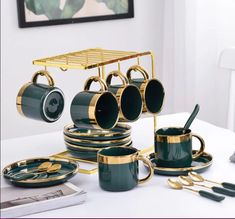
[{"x": 152, "y": 199}]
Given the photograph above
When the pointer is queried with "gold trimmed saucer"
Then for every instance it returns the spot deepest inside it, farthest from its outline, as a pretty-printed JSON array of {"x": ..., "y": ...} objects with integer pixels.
[
  {"x": 199, "y": 165},
  {"x": 68, "y": 169},
  {"x": 118, "y": 132}
]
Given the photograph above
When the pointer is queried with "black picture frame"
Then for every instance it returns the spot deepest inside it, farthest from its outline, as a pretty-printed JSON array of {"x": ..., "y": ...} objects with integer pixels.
[{"x": 23, "y": 23}]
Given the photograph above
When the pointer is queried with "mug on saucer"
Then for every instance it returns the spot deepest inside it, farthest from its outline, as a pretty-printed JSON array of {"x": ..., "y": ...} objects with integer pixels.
[{"x": 173, "y": 147}]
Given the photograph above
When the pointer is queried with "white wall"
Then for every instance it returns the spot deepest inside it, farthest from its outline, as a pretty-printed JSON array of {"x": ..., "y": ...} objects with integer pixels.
[
  {"x": 194, "y": 34},
  {"x": 21, "y": 46}
]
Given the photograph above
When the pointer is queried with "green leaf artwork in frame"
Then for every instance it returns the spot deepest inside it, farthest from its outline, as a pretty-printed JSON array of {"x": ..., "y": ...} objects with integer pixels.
[
  {"x": 51, "y": 9},
  {"x": 33, "y": 13}
]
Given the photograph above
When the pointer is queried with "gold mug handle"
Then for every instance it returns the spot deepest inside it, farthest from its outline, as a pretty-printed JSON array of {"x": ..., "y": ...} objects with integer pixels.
[
  {"x": 202, "y": 148},
  {"x": 150, "y": 165},
  {"x": 43, "y": 73},
  {"x": 139, "y": 69},
  {"x": 116, "y": 74},
  {"x": 95, "y": 79}
]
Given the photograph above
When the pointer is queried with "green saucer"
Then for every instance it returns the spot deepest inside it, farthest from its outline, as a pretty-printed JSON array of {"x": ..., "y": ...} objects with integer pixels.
[
  {"x": 198, "y": 165},
  {"x": 68, "y": 170},
  {"x": 84, "y": 153},
  {"x": 95, "y": 144},
  {"x": 119, "y": 132}
]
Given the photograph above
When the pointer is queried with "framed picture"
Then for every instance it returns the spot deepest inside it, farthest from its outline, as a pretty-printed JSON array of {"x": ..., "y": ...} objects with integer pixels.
[{"x": 33, "y": 13}]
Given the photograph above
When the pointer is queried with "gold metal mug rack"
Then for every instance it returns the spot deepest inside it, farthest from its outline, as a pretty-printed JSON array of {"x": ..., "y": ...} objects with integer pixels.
[{"x": 94, "y": 58}]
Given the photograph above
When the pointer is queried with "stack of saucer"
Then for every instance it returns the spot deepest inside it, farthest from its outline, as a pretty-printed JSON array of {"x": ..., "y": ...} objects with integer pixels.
[{"x": 85, "y": 143}]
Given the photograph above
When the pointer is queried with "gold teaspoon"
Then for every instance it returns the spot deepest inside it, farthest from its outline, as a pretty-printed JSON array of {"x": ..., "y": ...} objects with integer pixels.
[{"x": 177, "y": 185}]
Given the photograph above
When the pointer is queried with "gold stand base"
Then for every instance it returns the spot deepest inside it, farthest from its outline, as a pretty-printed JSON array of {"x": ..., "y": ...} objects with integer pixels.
[{"x": 67, "y": 155}]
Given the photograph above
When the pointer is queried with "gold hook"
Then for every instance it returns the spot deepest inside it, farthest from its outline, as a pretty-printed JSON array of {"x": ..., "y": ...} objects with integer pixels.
[
  {"x": 138, "y": 60},
  {"x": 63, "y": 69},
  {"x": 67, "y": 63},
  {"x": 153, "y": 76}
]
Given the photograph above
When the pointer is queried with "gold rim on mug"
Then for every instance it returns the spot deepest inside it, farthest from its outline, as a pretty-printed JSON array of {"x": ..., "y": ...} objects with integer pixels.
[
  {"x": 123, "y": 140},
  {"x": 173, "y": 138},
  {"x": 19, "y": 98},
  {"x": 94, "y": 100},
  {"x": 143, "y": 91},
  {"x": 120, "y": 91},
  {"x": 32, "y": 181},
  {"x": 33, "y": 81},
  {"x": 119, "y": 159},
  {"x": 144, "y": 85},
  {"x": 99, "y": 132},
  {"x": 95, "y": 149}
]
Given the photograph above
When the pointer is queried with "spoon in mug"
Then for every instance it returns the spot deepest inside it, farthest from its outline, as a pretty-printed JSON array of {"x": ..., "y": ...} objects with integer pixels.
[
  {"x": 191, "y": 118},
  {"x": 177, "y": 185},
  {"x": 185, "y": 180},
  {"x": 198, "y": 178},
  {"x": 53, "y": 169}
]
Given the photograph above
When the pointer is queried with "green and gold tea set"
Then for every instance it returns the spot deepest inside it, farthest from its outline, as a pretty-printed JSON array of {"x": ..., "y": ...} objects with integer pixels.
[{"x": 99, "y": 133}]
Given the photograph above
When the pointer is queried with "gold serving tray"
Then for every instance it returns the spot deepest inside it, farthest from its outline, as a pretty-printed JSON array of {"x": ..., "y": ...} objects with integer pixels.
[{"x": 67, "y": 155}]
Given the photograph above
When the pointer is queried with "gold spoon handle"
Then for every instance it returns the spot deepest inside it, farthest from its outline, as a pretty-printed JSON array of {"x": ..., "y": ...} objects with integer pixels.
[
  {"x": 193, "y": 190},
  {"x": 226, "y": 185},
  {"x": 212, "y": 181},
  {"x": 205, "y": 186}
]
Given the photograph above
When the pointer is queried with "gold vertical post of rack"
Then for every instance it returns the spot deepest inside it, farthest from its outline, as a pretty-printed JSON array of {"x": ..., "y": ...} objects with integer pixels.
[
  {"x": 153, "y": 65},
  {"x": 153, "y": 76},
  {"x": 119, "y": 66},
  {"x": 103, "y": 68}
]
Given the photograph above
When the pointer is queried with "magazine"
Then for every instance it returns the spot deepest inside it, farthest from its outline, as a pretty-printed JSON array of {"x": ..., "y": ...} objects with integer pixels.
[{"x": 16, "y": 201}]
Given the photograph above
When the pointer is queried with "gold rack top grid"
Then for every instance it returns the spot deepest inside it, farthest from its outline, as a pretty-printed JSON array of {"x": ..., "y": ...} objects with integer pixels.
[{"x": 87, "y": 59}]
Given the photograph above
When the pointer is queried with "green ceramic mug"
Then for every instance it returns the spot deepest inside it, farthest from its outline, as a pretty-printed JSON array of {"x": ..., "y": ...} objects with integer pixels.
[
  {"x": 152, "y": 90},
  {"x": 118, "y": 168},
  {"x": 40, "y": 101},
  {"x": 94, "y": 109},
  {"x": 174, "y": 148},
  {"x": 128, "y": 97}
]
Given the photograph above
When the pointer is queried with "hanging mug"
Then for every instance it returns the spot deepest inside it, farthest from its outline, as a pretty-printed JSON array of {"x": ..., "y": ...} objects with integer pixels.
[
  {"x": 94, "y": 109},
  {"x": 152, "y": 90},
  {"x": 128, "y": 97},
  {"x": 40, "y": 101}
]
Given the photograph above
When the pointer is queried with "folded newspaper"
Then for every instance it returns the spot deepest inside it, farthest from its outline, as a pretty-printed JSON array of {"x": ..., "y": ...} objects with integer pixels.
[{"x": 16, "y": 202}]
